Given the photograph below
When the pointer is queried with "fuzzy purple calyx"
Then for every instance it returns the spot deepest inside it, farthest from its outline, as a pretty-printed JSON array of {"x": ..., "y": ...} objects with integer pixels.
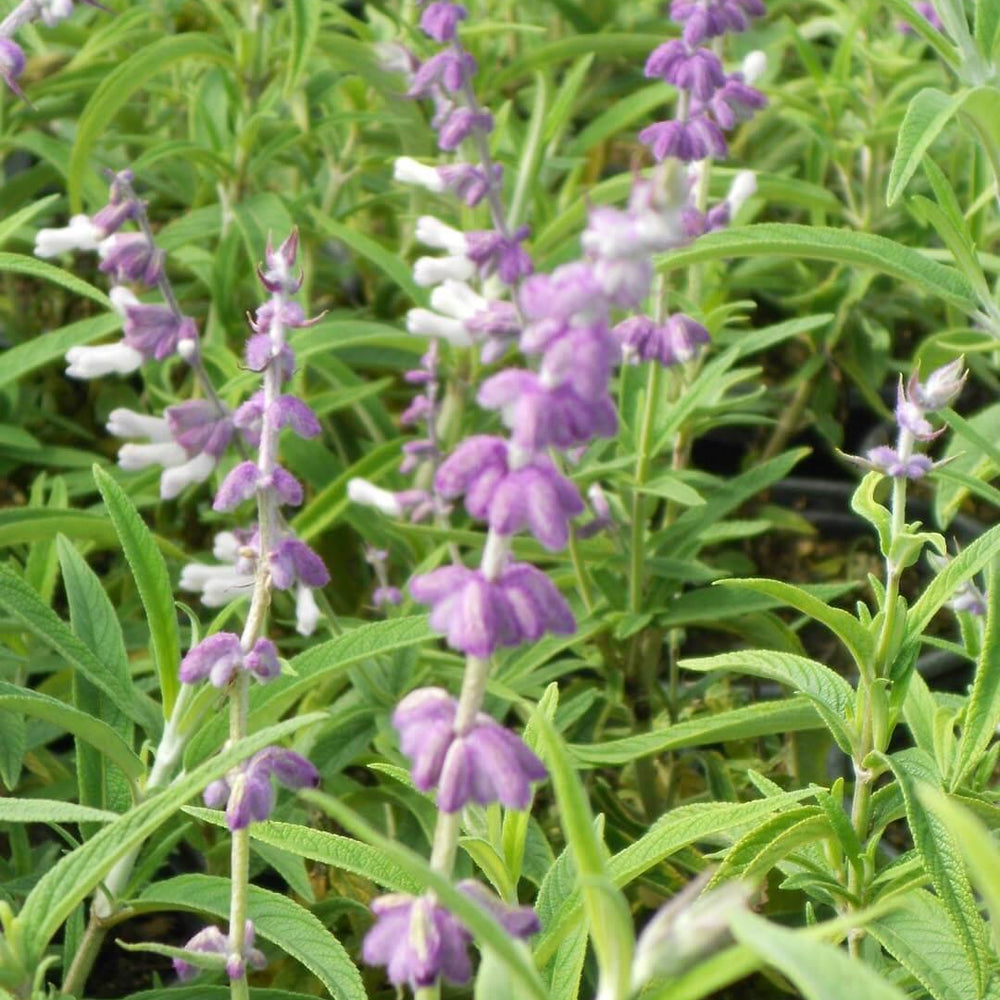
[
  {"x": 704, "y": 19},
  {"x": 539, "y": 415},
  {"x": 440, "y": 20},
  {"x": 131, "y": 257},
  {"x": 734, "y": 102},
  {"x": 697, "y": 138},
  {"x": 493, "y": 252},
  {"x": 479, "y": 615},
  {"x": 418, "y": 941},
  {"x": 459, "y": 124},
  {"x": 245, "y": 480},
  {"x": 197, "y": 426},
  {"x": 486, "y": 763},
  {"x": 211, "y": 941},
  {"x": 698, "y": 71},
  {"x": 11, "y": 64},
  {"x": 156, "y": 331},
  {"x": 220, "y": 657},
  {"x": 292, "y": 561},
  {"x": 247, "y": 791},
  {"x": 534, "y": 496},
  {"x": 942, "y": 386},
  {"x": 450, "y": 69},
  {"x": 278, "y": 273},
  {"x": 468, "y": 182},
  {"x": 675, "y": 342},
  {"x": 890, "y": 462}
]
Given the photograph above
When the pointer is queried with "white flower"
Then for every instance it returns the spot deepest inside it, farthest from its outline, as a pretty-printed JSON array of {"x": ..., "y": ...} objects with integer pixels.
[
  {"x": 406, "y": 170},
  {"x": 122, "y": 297},
  {"x": 80, "y": 234},
  {"x": 754, "y": 66},
  {"x": 432, "y": 232},
  {"x": 93, "y": 362},
  {"x": 369, "y": 495},
  {"x": 424, "y": 323},
  {"x": 54, "y": 11},
  {"x": 307, "y": 612},
  {"x": 744, "y": 186},
  {"x": 429, "y": 271}
]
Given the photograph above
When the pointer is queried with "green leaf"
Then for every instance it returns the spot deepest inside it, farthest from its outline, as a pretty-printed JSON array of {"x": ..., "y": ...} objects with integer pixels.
[
  {"x": 51, "y": 811},
  {"x": 670, "y": 487},
  {"x": 15, "y": 263},
  {"x": 390, "y": 264},
  {"x": 115, "y": 89},
  {"x": 971, "y": 560},
  {"x": 827, "y": 690},
  {"x": 326, "y": 848},
  {"x": 821, "y": 971},
  {"x": 94, "y": 621},
  {"x": 841, "y": 246},
  {"x": 981, "y": 462},
  {"x": 98, "y": 734},
  {"x": 152, "y": 581},
  {"x": 918, "y": 934},
  {"x": 607, "y": 911},
  {"x": 76, "y": 875},
  {"x": 672, "y": 832},
  {"x": 940, "y": 855},
  {"x": 928, "y": 113},
  {"x": 986, "y": 27},
  {"x": 305, "y": 18},
  {"x": 23, "y": 216},
  {"x": 982, "y": 712},
  {"x": 758, "y": 851},
  {"x": 787, "y": 715},
  {"x": 213, "y": 993},
  {"x": 27, "y": 608},
  {"x": 845, "y": 626},
  {"x": 482, "y": 925},
  {"x": 276, "y": 918},
  {"x": 978, "y": 847}
]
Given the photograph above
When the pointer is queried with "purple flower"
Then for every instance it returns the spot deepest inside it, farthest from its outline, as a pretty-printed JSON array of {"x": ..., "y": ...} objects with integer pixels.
[
  {"x": 486, "y": 763},
  {"x": 533, "y": 496},
  {"x": 540, "y": 416},
  {"x": 197, "y": 426},
  {"x": 695, "y": 139},
  {"x": 450, "y": 69},
  {"x": 186, "y": 442},
  {"x": 697, "y": 71},
  {"x": 246, "y": 479},
  {"x": 676, "y": 341},
  {"x": 419, "y": 941},
  {"x": 926, "y": 10},
  {"x": 211, "y": 941},
  {"x": 493, "y": 252},
  {"x": 469, "y": 183},
  {"x": 278, "y": 275},
  {"x": 11, "y": 64},
  {"x": 710, "y": 18},
  {"x": 259, "y": 353},
  {"x": 156, "y": 331},
  {"x": 733, "y": 102},
  {"x": 287, "y": 411},
  {"x": 460, "y": 124},
  {"x": 440, "y": 20},
  {"x": 292, "y": 561},
  {"x": 942, "y": 386},
  {"x": 381, "y": 596},
  {"x": 582, "y": 358},
  {"x": 478, "y": 615},
  {"x": 220, "y": 657},
  {"x": 247, "y": 791},
  {"x": 888, "y": 461},
  {"x": 131, "y": 257}
]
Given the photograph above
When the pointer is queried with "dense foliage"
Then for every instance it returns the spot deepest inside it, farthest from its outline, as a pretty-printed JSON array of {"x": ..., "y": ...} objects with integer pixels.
[{"x": 497, "y": 500}]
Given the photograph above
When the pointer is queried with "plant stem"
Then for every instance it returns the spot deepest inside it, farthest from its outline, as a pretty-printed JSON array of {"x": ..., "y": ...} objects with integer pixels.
[{"x": 638, "y": 548}]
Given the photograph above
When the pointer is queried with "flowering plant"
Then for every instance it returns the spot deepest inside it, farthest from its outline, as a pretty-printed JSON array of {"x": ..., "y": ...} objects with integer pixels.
[{"x": 498, "y": 501}]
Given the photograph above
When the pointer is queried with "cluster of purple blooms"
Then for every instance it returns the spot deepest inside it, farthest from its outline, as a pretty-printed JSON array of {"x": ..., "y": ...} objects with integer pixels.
[
  {"x": 711, "y": 101},
  {"x": 558, "y": 402},
  {"x": 49, "y": 12},
  {"x": 247, "y": 791},
  {"x": 914, "y": 402},
  {"x": 191, "y": 438}
]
